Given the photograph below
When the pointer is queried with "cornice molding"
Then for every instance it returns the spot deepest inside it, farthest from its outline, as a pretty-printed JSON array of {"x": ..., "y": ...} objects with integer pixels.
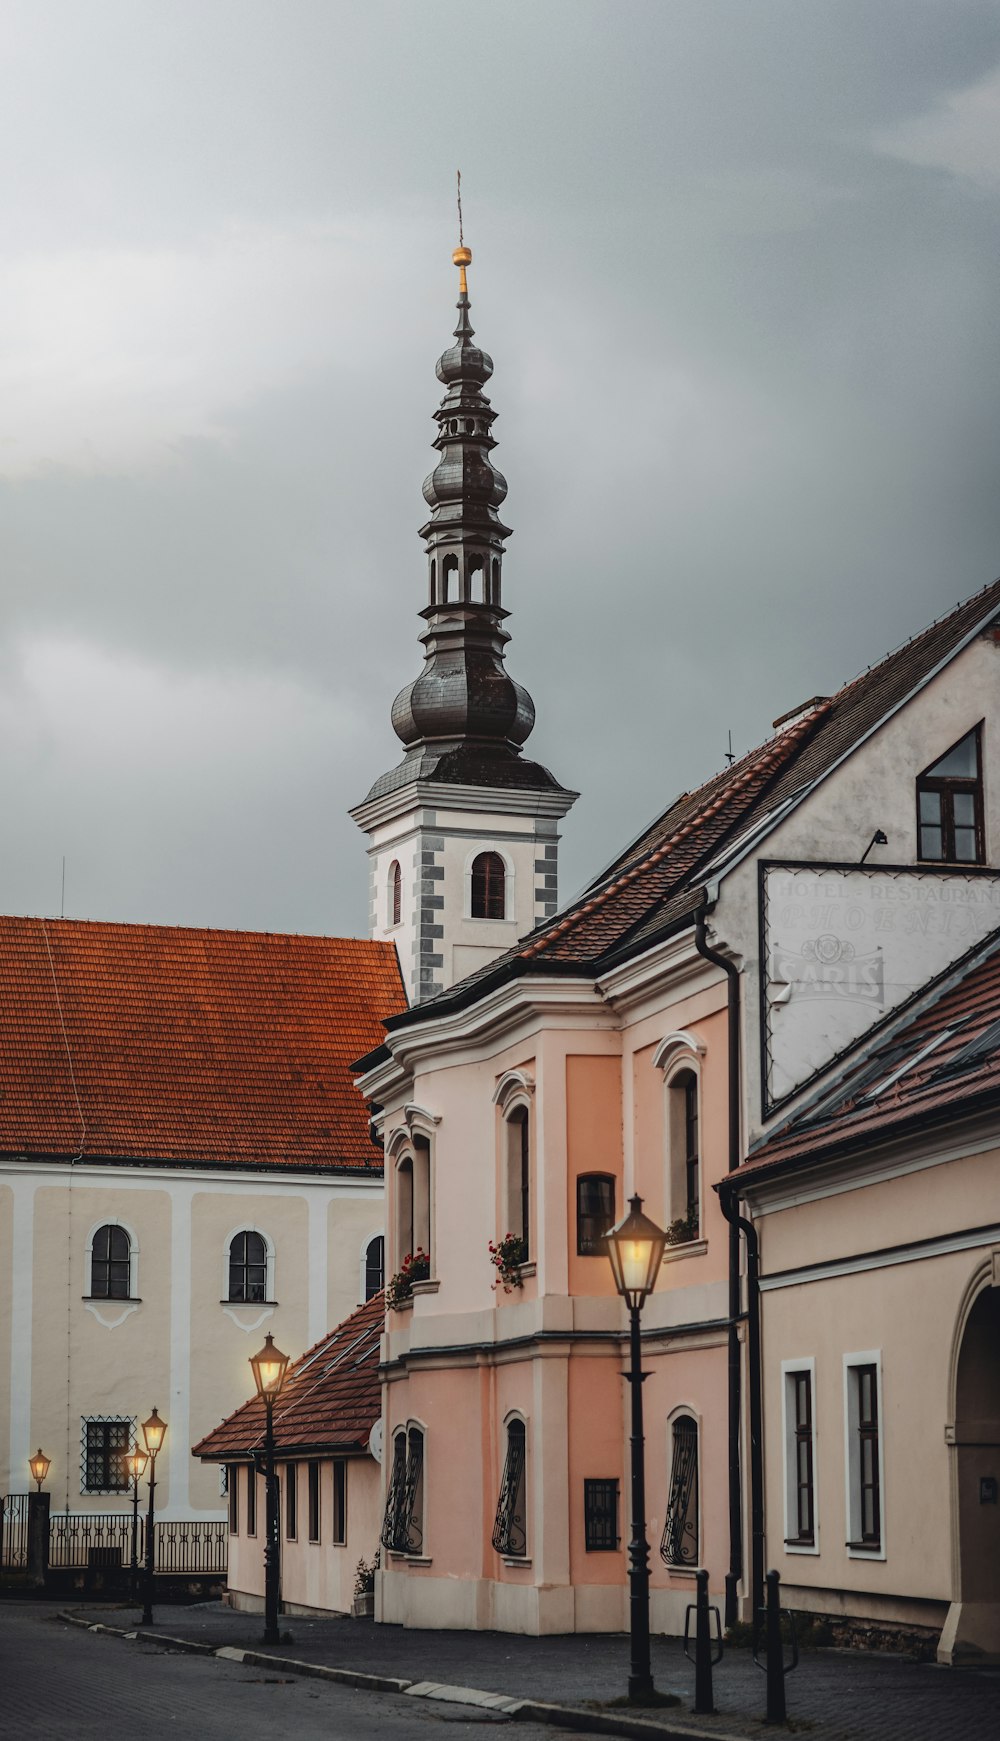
[{"x": 438, "y": 795}]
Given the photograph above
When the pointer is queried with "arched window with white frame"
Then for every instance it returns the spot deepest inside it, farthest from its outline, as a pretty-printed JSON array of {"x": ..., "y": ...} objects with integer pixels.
[
  {"x": 394, "y": 894},
  {"x": 111, "y": 1263},
  {"x": 489, "y": 887},
  {"x": 251, "y": 1268},
  {"x": 373, "y": 1267},
  {"x": 680, "y": 1058},
  {"x": 679, "y": 1546}
]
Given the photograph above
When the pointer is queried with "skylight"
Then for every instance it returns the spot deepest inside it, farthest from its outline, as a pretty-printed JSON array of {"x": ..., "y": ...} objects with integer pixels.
[
  {"x": 974, "y": 1051},
  {"x": 908, "y": 1064}
]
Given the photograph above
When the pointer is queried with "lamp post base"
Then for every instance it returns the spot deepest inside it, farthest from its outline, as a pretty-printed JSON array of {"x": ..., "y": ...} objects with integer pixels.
[{"x": 640, "y": 1688}]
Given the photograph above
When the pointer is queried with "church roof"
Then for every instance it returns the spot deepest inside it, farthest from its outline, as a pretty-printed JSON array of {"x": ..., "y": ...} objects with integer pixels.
[
  {"x": 330, "y": 1400},
  {"x": 657, "y": 882},
  {"x": 156, "y": 1043}
]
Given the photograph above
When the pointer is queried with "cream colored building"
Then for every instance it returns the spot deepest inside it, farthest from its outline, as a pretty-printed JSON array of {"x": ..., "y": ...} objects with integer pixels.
[{"x": 184, "y": 1165}]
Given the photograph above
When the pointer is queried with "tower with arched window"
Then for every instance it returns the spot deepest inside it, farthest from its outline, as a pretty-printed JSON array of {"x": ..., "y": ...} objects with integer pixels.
[{"x": 464, "y": 832}]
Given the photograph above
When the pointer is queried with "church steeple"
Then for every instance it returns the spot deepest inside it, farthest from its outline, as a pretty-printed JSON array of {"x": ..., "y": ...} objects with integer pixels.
[{"x": 463, "y": 720}]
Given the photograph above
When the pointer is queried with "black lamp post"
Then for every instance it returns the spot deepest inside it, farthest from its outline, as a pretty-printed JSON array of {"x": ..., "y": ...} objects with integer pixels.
[
  {"x": 269, "y": 1367},
  {"x": 135, "y": 1463},
  {"x": 153, "y": 1432},
  {"x": 635, "y": 1248}
]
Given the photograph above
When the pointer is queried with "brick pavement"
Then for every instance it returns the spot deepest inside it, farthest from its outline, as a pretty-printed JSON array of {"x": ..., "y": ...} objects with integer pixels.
[{"x": 840, "y": 1695}]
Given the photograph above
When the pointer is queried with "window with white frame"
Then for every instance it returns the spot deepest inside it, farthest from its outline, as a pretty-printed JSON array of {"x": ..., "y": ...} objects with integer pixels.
[
  {"x": 111, "y": 1263},
  {"x": 683, "y": 1121},
  {"x": 864, "y": 1454},
  {"x": 517, "y": 1177},
  {"x": 488, "y": 892},
  {"x": 250, "y": 1279},
  {"x": 374, "y": 1267},
  {"x": 403, "y": 1524},
  {"x": 799, "y": 1418},
  {"x": 413, "y": 1201},
  {"x": 395, "y": 893},
  {"x": 107, "y": 1441}
]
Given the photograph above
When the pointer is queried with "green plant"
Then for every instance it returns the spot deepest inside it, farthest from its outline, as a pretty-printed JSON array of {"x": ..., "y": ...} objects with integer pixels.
[
  {"x": 685, "y": 1228},
  {"x": 364, "y": 1577},
  {"x": 507, "y": 1256},
  {"x": 415, "y": 1268}
]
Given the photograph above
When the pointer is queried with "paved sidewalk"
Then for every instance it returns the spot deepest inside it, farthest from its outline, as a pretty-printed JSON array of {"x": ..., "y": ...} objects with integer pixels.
[{"x": 837, "y": 1695}]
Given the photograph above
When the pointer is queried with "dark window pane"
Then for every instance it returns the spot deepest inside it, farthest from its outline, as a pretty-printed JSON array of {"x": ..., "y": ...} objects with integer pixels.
[
  {"x": 600, "y": 1515},
  {"x": 965, "y": 845},
  {"x": 248, "y": 1267},
  {"x": 314, "y": 1502},
  {"x": 964, "y": 809},
  {"x": 339, "y": 1500},
  {"x": 959, "y": 763},
  {"x": 930, "y": 806},
  {"x": 930, "y": 843},
  {"x": 595, "y": 1213},
  {"x": 375, "y": 1267}
]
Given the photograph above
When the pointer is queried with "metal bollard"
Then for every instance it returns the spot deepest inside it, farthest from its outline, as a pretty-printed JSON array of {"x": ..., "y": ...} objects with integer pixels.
[
  {"x": 704, "y": 1657},
  {"x": 775, "y": 1665}
]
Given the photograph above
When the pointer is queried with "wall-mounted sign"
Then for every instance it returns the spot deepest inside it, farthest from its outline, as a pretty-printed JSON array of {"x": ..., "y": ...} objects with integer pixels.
[{"x": 843, "y": 947}]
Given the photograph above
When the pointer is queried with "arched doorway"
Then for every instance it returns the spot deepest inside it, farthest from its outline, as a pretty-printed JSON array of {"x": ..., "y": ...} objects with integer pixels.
[{"x": 972, "y": 1630}]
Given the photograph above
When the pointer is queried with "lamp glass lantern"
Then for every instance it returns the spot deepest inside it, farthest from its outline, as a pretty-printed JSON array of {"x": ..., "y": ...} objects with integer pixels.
[
  {"x": 635, "y": 1248},
  {"x": 154, "y": 1431},
  {"x": 39, "y": 1465},
  {"x": 269, "y": 1367},
  {"x": 135, "y": 1463}
]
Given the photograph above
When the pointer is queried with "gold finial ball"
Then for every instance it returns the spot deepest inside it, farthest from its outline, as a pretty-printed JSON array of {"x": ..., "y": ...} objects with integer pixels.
[{"x": 462, "y": 256}]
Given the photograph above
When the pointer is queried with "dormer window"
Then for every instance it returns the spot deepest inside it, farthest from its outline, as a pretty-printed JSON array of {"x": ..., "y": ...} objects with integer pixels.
[{"x": 950, "y": 805}]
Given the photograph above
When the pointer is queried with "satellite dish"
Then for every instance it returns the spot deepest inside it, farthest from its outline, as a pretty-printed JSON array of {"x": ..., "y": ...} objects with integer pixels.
[{"x": 375, "y": 1441}]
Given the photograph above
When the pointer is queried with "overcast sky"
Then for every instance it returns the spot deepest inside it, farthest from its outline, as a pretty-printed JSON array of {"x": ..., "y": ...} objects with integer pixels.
[{"x": 736, "y": 262}]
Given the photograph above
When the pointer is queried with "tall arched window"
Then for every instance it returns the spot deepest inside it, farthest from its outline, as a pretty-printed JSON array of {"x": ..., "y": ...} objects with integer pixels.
[
  {"x": 683, "y": 1156},
  {"x": 518, "y": 1177},
  {"x": 510, "y": 1534},
  {"x": 374, "y": 1266},
  {"x": 489, "y": 892},
  {"x": 395, "y": 893},
  {"x": 679, "y": 1546},
  {"x": 403, "y": 1524},
  {"x": 248, "y": 1267},
  {"x": 110, "y": 1263}
]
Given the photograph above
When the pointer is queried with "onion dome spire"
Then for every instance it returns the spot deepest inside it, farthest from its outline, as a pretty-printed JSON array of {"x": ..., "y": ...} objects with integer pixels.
[{"x": 464, "y": 718}]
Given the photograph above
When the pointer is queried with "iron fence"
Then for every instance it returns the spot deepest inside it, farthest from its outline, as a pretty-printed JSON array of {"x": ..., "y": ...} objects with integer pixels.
[
  {"x": 14, "y": 1532},
  {"x": 192, "y": 1547}
]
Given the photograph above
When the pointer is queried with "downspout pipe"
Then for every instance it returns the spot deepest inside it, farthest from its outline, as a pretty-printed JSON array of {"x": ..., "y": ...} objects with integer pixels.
[
  {"x": 732, "y": 973},
  {"x": 740, "y": 1224}
]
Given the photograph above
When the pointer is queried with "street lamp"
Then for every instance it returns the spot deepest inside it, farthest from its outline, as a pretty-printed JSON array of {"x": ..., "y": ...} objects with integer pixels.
[
  {"x": 39, "y": 1465},
  {"x": 635, "y": 1248},
  {"x": 269, "y": 1367},
  {"x": 153, "y": 1432},
  {"x": 135, "y": 1463}
]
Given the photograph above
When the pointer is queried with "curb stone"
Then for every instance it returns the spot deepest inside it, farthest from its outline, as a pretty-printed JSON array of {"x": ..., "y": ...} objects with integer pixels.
[{"x": 518, "y": 1710}]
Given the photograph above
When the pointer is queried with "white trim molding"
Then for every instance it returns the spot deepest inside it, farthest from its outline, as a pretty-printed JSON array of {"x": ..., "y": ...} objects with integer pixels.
[
  {"x": 270, "y": 1296},
  {"x": 133, "y": 1270},
  {"x": 672, "y": 1044},
  {"x": 512, "y": 1086}
]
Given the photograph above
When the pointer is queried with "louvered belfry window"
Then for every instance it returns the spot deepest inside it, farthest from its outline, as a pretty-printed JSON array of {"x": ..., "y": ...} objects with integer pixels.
[
  {"x": 509, "y": 1531},
  {"x": 489, "y": 895},
  {"x": 679, "y": 1546}
]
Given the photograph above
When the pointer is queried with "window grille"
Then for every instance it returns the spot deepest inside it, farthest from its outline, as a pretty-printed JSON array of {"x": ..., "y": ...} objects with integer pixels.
[
  {"x": 950, "y": 805},
  {"x": 248, "y": 1268},
  {"x": 509, "y": 1535},
  {"x": 402, "y": 1530},
  {"x": 107, "y": 1441},
  {"x": 595, "y": 1213},
  {"x": 600, "y": 1515},
  {"x": 110, "y": 1264},
  {"x": 489, "y": 895},
  {"x": 679, "y": 1546},
  {"x": 375, "y": 1267},
  {"x": 339, "y": 1500}
]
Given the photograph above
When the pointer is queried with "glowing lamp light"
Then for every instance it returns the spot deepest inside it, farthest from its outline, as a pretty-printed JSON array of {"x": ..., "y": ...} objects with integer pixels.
[
  {"x": 269, "y": 1368},
  {"x": 39, "y": 1465},
  {"x": 636, "y": 1248},
  {"x": 135, "y": 1463},
  {"x": 154, "y": 1432}
]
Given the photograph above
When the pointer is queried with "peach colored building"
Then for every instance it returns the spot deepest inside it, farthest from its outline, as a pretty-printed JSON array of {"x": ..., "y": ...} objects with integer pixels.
[
  {"x": 327, "y": 1447},
  {"x": 701, "y": 991}
]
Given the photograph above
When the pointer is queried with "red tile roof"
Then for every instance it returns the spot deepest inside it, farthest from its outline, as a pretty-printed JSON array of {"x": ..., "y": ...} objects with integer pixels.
[
  {"x": 330, "y": 1401},
  {"x": 154, "y": 1043},
  {"x": 655, "y": 882},
  {"x": 942, "y": 1064}
]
